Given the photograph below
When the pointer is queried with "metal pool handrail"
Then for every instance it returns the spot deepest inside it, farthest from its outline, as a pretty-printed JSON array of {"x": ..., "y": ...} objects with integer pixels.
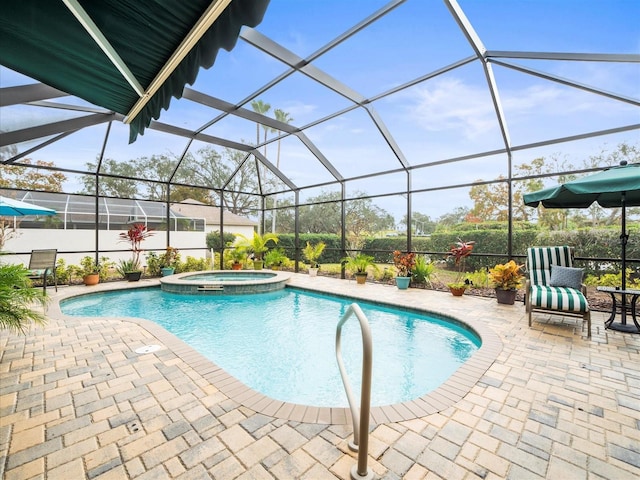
[{"x": 360, "y": 416}]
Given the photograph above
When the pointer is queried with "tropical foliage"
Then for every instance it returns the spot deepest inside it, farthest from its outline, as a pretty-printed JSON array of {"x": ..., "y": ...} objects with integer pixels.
[
  {"x": 17, "y": 299},
  {"x": 275, "y": 257},
  {"x": 506, "y": 276},
  {"x": 359, "y": 263},
  {"x": 459, "y": 252},
  {"x": 404, "y": 262},
  {"x": 312, "y": 252},
  {"x": 258, "y": 244},
  {"x": 424, "y": 270},
  {"x": 134, "y": 237}
]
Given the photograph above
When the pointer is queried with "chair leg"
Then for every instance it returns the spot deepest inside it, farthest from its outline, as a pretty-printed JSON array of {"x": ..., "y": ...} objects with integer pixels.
[
  {"x": 587, "y": 317},
  {"x": 527, "y": 305}
]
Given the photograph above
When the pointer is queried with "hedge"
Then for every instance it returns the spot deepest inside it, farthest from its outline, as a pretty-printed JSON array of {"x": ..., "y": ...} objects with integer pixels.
[{"x": 490, "y": 247}]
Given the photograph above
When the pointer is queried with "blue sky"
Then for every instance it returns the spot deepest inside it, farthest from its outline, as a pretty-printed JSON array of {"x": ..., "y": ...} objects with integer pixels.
[{"x": 448, "y": 116}]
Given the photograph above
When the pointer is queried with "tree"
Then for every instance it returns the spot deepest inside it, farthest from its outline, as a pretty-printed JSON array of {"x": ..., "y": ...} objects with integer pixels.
[
  {"x": 113, "y": 186},
  {"x": 31, "y": 177},
  {"x": 158, "y": 169},
  {"x": 455, "y": 217},
  {"x": 283, "y": 117},
  {"x": 262, "y": 108},
  {"x": 491, "y": 201},
  {"x": 421, "y": 223},
  {"x": 210, "y": 168}
]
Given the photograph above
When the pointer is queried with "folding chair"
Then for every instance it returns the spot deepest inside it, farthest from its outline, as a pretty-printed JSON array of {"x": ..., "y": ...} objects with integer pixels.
[
  {"x": 554, "y": 286},
  {"x": 43, "y": 264}
]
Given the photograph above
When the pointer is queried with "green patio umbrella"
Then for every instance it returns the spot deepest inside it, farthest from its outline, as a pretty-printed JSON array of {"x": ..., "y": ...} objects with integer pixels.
[{"x": 613, "y": 187}]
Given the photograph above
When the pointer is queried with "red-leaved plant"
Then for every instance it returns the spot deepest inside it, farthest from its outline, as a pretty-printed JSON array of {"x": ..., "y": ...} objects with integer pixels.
[
  {"x": 459, "y": 252},
  {"x": 134, "y": 237}
]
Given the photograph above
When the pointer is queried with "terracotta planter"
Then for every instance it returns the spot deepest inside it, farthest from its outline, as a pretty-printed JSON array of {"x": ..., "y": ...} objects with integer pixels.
[
  {"x": 457, "y": 291},
  {"x": 91, "y": 279},
  {"x": 236, "y": 266},
  {"x": 506, "y": 297},
  {"x": 403, "y": 282},
  {"x": 361, "y": 278}
]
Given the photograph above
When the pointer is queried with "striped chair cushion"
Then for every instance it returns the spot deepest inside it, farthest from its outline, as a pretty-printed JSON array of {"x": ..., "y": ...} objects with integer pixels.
[
  {"x": 558, "y": 298},
  {"x": 540, "y": 259}
]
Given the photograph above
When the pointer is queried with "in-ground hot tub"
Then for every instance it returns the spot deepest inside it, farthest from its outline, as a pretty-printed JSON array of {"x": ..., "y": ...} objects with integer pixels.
[{"x": 224, "y": 282}]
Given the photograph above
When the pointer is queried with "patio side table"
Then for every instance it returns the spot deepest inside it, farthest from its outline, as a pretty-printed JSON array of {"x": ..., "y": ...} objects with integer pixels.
[{"x": 627, "y": 303}]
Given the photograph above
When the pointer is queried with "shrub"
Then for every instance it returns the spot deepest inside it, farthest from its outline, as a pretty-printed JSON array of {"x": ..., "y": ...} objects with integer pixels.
[
  {"x": 192, "y": 264},
  {"x": 213, "y": 240},
  {"x": 424, "y": 270},
  {"x": 64, "y": 272},
  {"x": 17, "y": 298}
]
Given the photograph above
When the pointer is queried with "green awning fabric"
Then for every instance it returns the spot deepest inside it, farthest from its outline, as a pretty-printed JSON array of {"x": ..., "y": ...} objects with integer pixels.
[{"x": 44, "y": 41}]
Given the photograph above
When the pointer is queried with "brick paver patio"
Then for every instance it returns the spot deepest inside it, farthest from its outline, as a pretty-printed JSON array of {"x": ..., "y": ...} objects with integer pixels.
[{"x": 77, "y": 401}]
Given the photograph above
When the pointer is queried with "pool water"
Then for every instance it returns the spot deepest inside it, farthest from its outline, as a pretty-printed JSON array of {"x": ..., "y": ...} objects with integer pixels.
[
  {"x": 282, "y": 343},
  {"x": 226, "y": 277}
]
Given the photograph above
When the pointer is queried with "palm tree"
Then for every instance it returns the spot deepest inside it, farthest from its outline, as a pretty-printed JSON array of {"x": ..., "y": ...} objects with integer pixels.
[
  {"x": 283, "y": 117},
  {"x": 17, "y": 299},
  {"x": 258, "y": 245},
  {"x": 262, "y": 108}
]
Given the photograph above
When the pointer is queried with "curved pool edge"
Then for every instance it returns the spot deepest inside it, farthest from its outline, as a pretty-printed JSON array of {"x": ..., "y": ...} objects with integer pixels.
[{"x": 454, "y": 389}]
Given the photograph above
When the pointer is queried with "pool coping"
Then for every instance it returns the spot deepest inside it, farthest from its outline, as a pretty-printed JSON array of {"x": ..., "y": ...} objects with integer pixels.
[
  {"x": 179, "y": 283},
  {"x": 456, "y": 387}
]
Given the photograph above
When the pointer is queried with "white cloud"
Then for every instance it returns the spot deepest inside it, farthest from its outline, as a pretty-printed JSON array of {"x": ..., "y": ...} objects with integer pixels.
[{"x": 451, "y": 104}]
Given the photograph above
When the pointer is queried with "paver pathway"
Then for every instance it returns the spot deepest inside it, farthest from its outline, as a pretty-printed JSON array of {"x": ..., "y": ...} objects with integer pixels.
[{"x": 77, "y": 401}]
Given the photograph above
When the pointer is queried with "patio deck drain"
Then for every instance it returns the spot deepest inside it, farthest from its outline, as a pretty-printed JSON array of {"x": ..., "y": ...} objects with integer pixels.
[{"x": 148, "y": 349}]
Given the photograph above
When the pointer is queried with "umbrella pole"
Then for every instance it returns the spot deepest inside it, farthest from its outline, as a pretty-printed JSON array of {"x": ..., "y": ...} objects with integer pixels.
[{"x": 623, "y": 241}]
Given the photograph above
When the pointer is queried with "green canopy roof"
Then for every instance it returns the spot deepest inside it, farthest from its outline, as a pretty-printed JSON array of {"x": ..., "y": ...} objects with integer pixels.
[{"x": 110, "y": 53}]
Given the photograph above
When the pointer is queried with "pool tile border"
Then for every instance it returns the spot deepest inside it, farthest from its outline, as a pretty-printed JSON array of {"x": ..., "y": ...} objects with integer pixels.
[{"x": 447, "y": 394}]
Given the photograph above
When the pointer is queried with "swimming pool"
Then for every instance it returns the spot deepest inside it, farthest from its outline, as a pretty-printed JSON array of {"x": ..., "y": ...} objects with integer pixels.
[{"x": 282, "y": 343}]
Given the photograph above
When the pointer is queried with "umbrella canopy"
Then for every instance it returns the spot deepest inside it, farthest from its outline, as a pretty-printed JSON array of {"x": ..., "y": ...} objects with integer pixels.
[
  {"x": 614, "y": 187},
  {"x": 605, "y": 187},
  {"x": 16, "y": 208}
]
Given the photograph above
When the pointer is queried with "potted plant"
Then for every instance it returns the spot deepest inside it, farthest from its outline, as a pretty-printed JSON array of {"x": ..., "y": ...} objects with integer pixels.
[
  {"x": 258, "y": 245},
  {"x": 311, "y": 254},
  {"x": 506, "y": 279},
  {"x": 459, "y": 252},
  {"x": 238, "y": 256},
  {"x": 358, "y": 266},
  {"x": 129, "y": 270},
  {"x": 275, "y": 258},
  {"x": 404, "y": 263},
  {"x": 168, "y": 261},
  {"x": 90, "y": 271},
  {"x": 137, "y": 233}
]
